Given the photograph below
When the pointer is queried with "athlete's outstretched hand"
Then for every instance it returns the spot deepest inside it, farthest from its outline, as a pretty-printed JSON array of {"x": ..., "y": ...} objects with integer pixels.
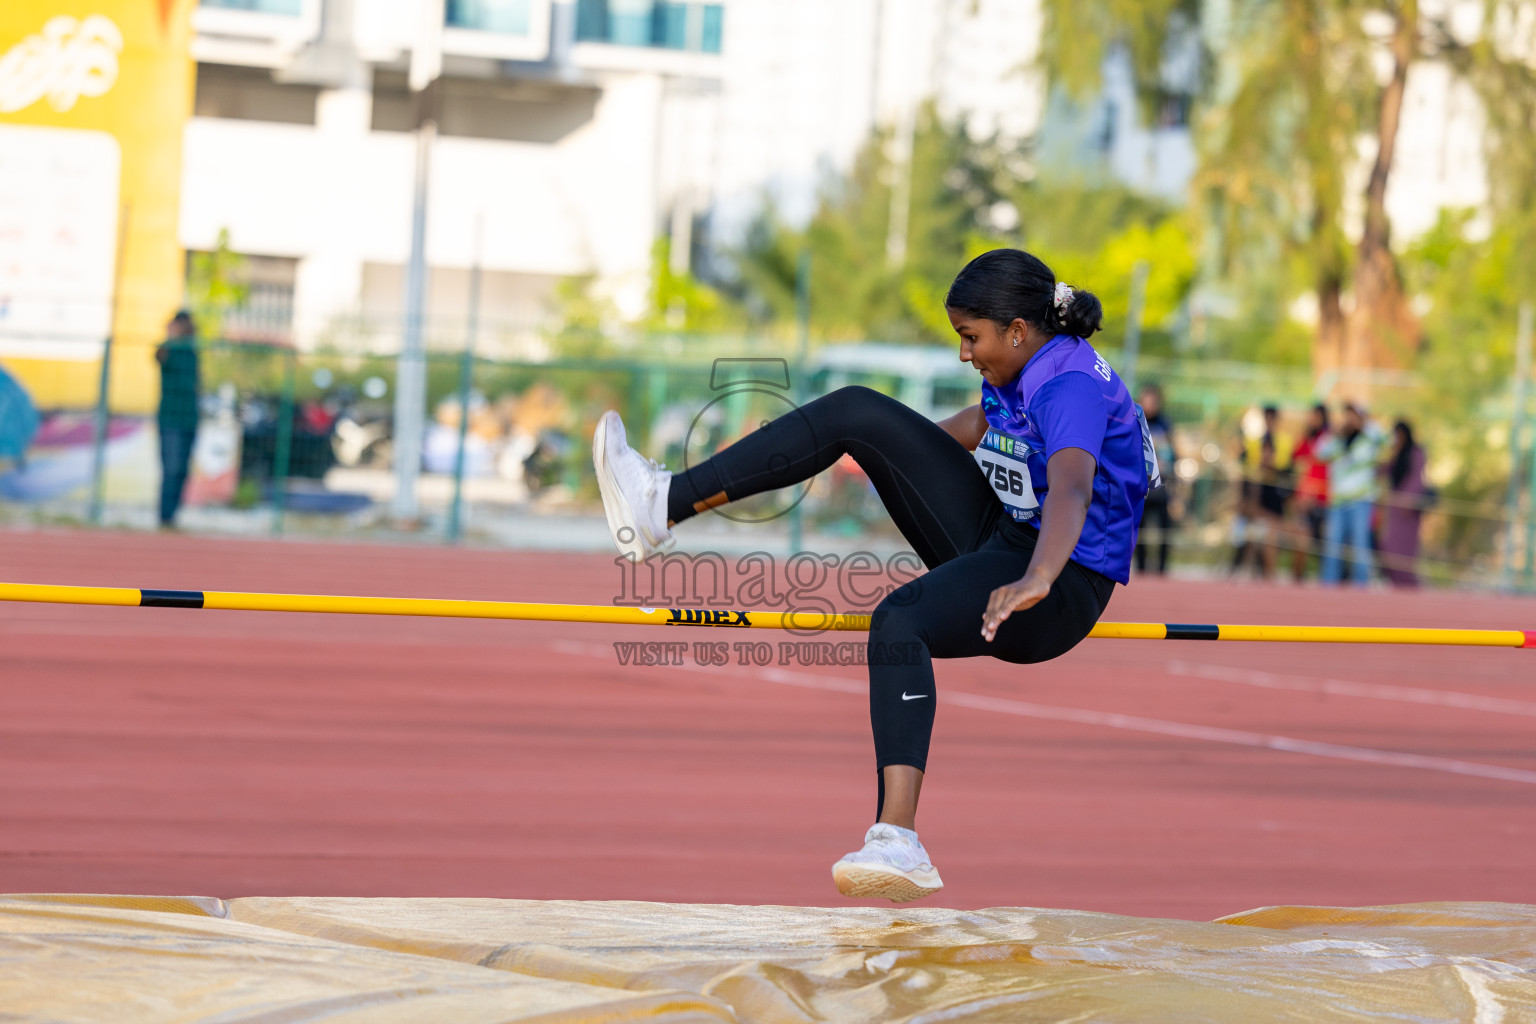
[{"x": 1016, "y": 596}]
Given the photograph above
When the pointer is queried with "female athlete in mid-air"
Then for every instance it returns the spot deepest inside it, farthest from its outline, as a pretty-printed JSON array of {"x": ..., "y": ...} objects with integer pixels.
[{"x": 1023, "y": 507}]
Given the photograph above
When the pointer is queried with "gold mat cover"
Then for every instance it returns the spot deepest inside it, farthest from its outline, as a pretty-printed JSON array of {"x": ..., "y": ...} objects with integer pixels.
[{"x": 130, "y": 959}]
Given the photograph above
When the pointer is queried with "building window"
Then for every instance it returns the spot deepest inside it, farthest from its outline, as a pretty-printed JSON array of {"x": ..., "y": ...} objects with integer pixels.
[
  {"x": 290, "y": 8},
  {"x": 250, "y": 94},
  {"x": 265, "y": 309},
  {"x": 653, "y": 23},
  {"x": 714, "y": 28},
  {"x": 510, "y": 16},
  {"x": 669, "y": 26}
]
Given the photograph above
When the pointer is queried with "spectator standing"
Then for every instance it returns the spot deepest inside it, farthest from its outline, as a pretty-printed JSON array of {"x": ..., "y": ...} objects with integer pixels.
[
  {"x": 1309, "y": 505},
  {"x": 1274, "y": 492},
  {"x": 1403, "y": 507},
  {"x": 1351, "y": 454},
  {"x": 1243, "y": 547},
  {"x": 1159, "y": 514},
  {"x": 1267, "y": 465},
  {"x": 178, "y": 413}
]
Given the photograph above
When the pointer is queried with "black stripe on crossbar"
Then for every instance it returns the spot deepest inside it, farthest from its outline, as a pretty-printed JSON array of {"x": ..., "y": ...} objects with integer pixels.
[
  {"x": 170, "y": 599},
  {"x": 1192, "y": 631}
]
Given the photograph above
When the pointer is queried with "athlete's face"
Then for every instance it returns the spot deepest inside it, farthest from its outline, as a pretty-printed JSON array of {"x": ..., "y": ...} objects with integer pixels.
[{"x": 997, "y": 353}]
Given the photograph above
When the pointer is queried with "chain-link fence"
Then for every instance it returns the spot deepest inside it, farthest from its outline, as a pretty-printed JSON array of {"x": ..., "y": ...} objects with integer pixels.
[{"x": 275, "y": 440}]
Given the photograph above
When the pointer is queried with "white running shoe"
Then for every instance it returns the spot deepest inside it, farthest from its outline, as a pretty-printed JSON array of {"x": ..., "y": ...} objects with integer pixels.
[
  {"x": 634, "y": 491},
  {"x": 893, "y": 865}
]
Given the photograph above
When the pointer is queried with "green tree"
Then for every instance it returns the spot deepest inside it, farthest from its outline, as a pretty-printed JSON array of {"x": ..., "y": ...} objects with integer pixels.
[
  {"x": 1094, "y": 237},
  {"x": 677, "y": 303},
  {"x": 967, "y": 196},
  {"x": 586, "y": 319},
  {"x": 1290, "y": 89},
  {"x": 1473, "y": 290},
  {"x": 216, "y": 284},
  {"x": 683, "y": 302}
]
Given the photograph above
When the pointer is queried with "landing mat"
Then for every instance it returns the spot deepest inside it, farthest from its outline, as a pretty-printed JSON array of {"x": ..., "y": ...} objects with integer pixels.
[{"x": 198, "y": 960}]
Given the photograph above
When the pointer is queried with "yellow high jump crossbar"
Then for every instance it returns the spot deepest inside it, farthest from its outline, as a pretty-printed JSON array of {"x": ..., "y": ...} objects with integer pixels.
[{"x": 804, "y": 622}]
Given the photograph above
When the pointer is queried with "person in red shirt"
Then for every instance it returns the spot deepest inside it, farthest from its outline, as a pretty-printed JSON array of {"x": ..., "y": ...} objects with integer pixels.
[{"x": 1310, "y": 506}]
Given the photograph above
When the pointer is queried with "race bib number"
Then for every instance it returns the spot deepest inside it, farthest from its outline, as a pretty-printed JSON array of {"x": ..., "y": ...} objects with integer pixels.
[{"x": 1002, "y": 462}]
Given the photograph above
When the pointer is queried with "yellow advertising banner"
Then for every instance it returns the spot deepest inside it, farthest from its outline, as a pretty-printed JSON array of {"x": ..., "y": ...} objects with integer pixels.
[{"x": 94, "y": 98}]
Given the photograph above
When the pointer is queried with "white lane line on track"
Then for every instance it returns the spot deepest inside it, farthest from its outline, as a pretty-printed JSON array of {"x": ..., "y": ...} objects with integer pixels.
[
  {"x": 1346, "y": 688},
  {"x": 1115, "y": 720},
  {"x": 1242, "y": 738}
]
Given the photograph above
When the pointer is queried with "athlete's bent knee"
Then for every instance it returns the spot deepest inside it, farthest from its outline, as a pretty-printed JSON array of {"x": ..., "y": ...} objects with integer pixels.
[
  {"x": 860, "y": 403},
  {"x": 896, "y": 632}
]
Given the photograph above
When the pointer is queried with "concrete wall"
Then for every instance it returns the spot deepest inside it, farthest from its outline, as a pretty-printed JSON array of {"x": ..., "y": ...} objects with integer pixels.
[{"x": 337, "y": 195}]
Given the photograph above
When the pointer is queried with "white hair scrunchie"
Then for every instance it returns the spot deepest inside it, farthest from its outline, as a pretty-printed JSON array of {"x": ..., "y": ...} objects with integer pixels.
[{"x": 1063, "y": 296}]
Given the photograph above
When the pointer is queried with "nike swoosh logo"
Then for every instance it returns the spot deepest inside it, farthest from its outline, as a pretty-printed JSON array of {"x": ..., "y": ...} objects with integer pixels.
[{"x": 912, "y": 696}]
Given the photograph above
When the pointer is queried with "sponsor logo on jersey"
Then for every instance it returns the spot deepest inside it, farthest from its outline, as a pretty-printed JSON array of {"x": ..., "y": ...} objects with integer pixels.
[{"x": 1005, "y": 444}]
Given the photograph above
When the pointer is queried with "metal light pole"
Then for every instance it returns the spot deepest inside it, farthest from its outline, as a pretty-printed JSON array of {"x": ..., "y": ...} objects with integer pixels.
[
  {"x": 410, "y": 372},
  {"x": 1527, "y": 323},
  {"x": 1516, "y": 429},
  {"x": 466, "y": 382},
  {"x": 901, "y": 148},
  {"x": 101, "y": 423},
  {"x": 1133, "y": 325},
  {"x": 797, "y": 382}
]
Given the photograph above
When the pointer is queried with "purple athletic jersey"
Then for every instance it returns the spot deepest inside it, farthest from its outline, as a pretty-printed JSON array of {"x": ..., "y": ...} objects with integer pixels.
[{"x": 1069, "y": 397}]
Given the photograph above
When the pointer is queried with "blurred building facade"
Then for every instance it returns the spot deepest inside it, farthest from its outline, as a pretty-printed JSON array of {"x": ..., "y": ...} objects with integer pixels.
[
  {"x": 807, "y": 81},
  {"x": 564, "y": 130},
  {"x": 1111, "y": 137},
  {"x": 92, "y": 107},
  {"x": 572, "y": 135}
]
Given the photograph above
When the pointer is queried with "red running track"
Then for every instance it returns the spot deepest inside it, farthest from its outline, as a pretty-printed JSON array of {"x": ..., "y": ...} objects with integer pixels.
[{"x": 231, "y": 754}]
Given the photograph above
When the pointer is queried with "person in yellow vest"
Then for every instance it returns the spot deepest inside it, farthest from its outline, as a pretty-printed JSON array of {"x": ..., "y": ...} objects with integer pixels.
[{"x": 1266, "y": 483}]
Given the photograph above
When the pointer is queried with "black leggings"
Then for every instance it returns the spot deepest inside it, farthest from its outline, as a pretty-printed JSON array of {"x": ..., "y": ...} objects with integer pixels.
[{"x": 948, "y": 512}]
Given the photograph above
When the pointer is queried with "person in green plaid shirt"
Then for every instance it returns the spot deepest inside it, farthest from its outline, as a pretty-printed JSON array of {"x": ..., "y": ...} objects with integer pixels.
[{"x": 1352, "y": 455}]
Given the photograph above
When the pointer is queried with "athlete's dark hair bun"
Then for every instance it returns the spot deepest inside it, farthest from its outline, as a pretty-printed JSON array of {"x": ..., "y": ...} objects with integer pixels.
[
  {"x": 1005, "y": 285},
  {"x": 1083, "y": 316}
]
